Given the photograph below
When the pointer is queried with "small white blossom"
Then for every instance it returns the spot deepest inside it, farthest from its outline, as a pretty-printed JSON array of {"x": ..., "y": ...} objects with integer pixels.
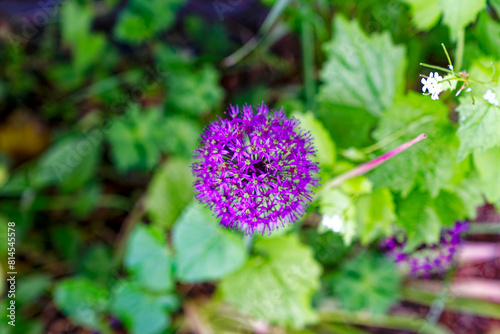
[
  {"x": 450, "y": 67},
  {"x": 334, "y": 222},
  {"x": 432, "y": 85},
  {"x": 468, "y": 90},
  {"x": 490, "y": 97}
]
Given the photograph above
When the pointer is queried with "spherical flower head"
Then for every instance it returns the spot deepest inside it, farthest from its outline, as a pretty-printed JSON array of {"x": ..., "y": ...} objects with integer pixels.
[
  {"x": 255, "y": 170},
  {"x": 427, "y": 259}
]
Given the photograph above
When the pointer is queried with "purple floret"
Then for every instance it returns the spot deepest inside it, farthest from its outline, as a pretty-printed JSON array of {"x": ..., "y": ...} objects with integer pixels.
[
  {"x": 255, "y": 170},
  {"x": 427, "y": 259}
]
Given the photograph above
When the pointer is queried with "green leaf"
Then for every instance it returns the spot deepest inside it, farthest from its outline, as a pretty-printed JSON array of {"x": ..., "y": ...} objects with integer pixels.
[
  {"x": 423, "y": 217},
  {"x": 418, "y": 217},
  {"x": 369, "y": 282},
  {"x": 31, "y": 287},
  {"x": 478, "y": 126},
  {"x": 430, "y": 164},
  {"x": 194, "y": 92},
  {"x": 204, "y": 250},
  {"x": 361, "y": 71},
  {"x": 76, "y": 21},
  {"x": 458, "y": 14},
  {"x": 148, "y": 259},
  {"x": 348, "y": 126},
  {"x": 70, "y": 163},
  {"x": 470, "y": 195},
  {"x": 276, "y": 284},
  {"x": 141, "y": 19},
  {"x": 165, "y": 200},
  {"x": 141, "y": 312},
  {"x": 183, "y": 136},
  {"x": 329, "y": 247},
  {"x": 323, "y": 144},
  {"x": 487, "y": 166},
  {"x": 83, "y": 301},
  {"x": 136, "y": 139},
  {"x": 488, "y": 34},
  {"x": 425, "y": 13},
  {"x": 375, "y": 215}
]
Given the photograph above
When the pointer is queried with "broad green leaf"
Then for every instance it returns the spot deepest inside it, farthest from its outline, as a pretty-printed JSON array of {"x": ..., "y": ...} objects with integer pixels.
[
  {"x": 430, "y": 164},
  {"x": 141, "y": 19},
  {"x": 418, "y": 217},
  {"x": 329, "y": 248},
  {"x": 132, "y": 27},
  {"x": 183, "y": 136},
  {"x": 76, "y": 21},
  {"x": 458, "y": 14},
  {"x": 141, "y": 312},
  {"x": 423, "y": 217},
  {"x": 375, "y": 215},
  {"x": 70, "y": 163},
  {"x": 204, "y": 250},
  {"x": 32, "y": 287},
  {"x": 368, "y": 282},
  {"x": 136, "y": 139},
  {"x": 169, "y": 192},
  {"x": 277, "y": 283},
  {"x": 148, "y": 259},
  {"x": 479, "y": 126},
  {"x": 82, "y": 301},
  {"x": 194, "y": 92},
  {"x": 487, "y": 165},
  {"x": 323, "y": 143},
  {"x": 361, "y": 71},
  {"x": 488, "y": 34},
  {"x": 470, "y": 195},
  {"x": 425, "y": 13},
  {"x": 348, "y": 126}
]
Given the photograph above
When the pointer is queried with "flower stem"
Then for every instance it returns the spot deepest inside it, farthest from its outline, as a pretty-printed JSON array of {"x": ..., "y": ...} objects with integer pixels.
[
  {"x": 397, "y": 134},
  {"x": 447, "y": 55},
  {"x": 439, "y": 68},
  {"x": 307, "y": 38},
  {"x": 459, "y": 53},
  {"x": 484, "y": 228},
  {"x": 366, "y": 167}
]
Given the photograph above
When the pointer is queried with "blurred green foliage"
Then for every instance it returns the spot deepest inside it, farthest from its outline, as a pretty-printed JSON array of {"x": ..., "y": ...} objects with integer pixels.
[{"x": 104, "y": 105}]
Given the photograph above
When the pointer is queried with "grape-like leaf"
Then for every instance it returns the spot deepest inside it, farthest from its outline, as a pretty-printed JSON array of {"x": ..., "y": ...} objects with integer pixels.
[
  {"x": 361, "y": 71},
  {"x": 277, "y": 284}
]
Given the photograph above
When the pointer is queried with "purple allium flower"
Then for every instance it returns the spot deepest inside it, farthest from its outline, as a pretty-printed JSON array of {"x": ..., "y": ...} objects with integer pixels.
[
  {"x": 427, "y": 259},
  {"x": 254, "y": 170}
]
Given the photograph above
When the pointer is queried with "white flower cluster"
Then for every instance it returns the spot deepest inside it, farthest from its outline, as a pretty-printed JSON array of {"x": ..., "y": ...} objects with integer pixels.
[
  {"x": 490, "y": 97},
  {"x": 334, "y": 222},
  {"x": 432, "y": 85}
]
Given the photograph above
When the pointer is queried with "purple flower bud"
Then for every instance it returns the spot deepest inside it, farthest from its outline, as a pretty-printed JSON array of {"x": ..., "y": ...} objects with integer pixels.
[
  {"x": 255, "y": 170},
  {"x": 427, "y": 259}
]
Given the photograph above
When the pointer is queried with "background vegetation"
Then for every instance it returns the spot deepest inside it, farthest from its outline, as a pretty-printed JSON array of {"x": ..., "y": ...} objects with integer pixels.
[{"x": 102, "y": 104}]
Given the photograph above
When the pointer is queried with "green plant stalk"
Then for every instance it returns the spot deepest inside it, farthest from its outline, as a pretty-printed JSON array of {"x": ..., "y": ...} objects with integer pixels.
[
  {"x": 368, "y": 166},
  {"x": 382, "y": 321},
  {"x": 396, "y": 135},
  {"x": 447, "y": 55},
  {"x": 467, "y": 305},
  {"x": 483, "y": 228},
  {"x": 264, "y": 30},
  {"x": 307, "y": 41},
  {"x": 459, "y": 53},
  {"x": 439, "y": 68}
]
